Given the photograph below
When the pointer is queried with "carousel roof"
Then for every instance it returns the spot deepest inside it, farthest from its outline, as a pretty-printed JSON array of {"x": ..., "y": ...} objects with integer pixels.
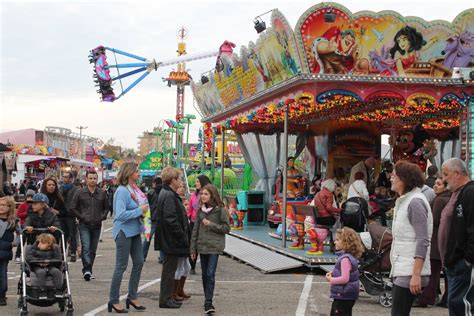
[{"x": 351, "y": 70}]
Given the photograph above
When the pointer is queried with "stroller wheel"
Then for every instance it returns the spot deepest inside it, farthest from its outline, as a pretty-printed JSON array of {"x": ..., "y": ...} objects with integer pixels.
[
  {"x": 69, "y": 312},
  {"x": 385, "y": 299}
]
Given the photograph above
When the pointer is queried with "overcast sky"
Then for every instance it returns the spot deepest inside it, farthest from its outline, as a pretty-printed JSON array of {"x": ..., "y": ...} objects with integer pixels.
[{"x": 46, "y": 79}]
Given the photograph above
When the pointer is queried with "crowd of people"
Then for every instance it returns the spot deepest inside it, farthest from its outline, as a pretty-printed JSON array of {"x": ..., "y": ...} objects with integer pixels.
[
  {"x": 183, "y": 229},
  {"x": 432, "y": 227}
]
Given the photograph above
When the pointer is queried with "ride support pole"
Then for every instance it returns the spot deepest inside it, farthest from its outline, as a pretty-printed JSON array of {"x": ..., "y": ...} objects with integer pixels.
[
  {"x": 222, "y": 161},
  {"x": 285, "y": 178}
]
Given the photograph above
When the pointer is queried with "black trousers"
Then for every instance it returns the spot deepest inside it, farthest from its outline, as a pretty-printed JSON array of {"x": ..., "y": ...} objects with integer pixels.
[
  {"x": 342, "y": 307},
  {"x": 167, "y": 277},
  {"x": 402, "y": 300},
  {"x": 69, "y": 227},
  {"x": 191, "y": 261}
]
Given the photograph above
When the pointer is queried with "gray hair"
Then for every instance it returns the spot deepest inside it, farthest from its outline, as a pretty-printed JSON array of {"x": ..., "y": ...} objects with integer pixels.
[
  {"x": 458, "y": 165},
  {"x": 329, "y": 184}
]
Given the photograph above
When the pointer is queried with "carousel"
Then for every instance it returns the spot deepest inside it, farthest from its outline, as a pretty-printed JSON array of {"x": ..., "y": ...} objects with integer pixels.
[{"x": 327, "y": 92}]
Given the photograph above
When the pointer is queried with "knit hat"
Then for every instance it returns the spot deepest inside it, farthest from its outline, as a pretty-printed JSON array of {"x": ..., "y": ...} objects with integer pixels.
[
  {"x": 40, "y": 197},
  {"x": 29, "y": 193}
]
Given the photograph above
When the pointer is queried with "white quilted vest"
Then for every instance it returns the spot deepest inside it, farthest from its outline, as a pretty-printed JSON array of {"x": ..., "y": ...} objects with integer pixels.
[{"x": 402, "y": 254}]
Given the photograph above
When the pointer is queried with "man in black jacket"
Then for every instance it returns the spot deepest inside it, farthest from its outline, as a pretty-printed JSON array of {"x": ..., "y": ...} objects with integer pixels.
[
  {"x": 68, "y": 222},
  {"x": 90, "y": 206},
  {"x": 172, "y": 233},
  {"x": 458, "y": 247},
  {"x": 152, "y": 197}
]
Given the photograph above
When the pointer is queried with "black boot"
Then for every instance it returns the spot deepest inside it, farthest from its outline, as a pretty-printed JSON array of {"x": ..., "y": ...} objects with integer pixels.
[{"x": 170, "y": 304}]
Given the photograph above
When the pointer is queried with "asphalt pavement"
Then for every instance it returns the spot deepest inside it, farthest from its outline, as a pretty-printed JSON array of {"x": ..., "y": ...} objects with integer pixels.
[{"x": 240, "y": 290}]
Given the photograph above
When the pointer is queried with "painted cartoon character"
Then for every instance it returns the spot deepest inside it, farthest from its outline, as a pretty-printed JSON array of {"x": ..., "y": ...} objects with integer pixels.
[
  {"x": 459, "y": 50},
  {"x": 333, "y": 51},
  {"x": 408, "y": 42},
  {"x": 381, "y": 61},
  {"x": 296, "y": 232},
  {"x": 237, "y": 217},
  {"x": 428, "y": 151},
  {"x": 288, "y": 61},
  {"x": 316, "y": 237}
]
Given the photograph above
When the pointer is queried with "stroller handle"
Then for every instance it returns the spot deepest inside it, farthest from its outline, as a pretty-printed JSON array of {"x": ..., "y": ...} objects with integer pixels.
[{"x": 42, "y": 230}]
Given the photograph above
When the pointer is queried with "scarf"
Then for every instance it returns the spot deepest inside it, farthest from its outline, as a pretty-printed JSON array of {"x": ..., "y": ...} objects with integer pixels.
[
  {"x": 206, "y": 209},
  {"x": 137, "y": 195},
  {"x": 140, "y": 198},
  {"x": 67, "y": 186}
]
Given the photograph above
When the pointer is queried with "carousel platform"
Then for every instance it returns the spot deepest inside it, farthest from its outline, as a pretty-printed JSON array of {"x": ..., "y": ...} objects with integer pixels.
[{"x": 257, "y": 246}]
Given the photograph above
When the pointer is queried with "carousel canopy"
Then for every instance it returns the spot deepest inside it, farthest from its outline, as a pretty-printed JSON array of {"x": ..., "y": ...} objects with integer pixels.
[{"x": 363, "y": 67}]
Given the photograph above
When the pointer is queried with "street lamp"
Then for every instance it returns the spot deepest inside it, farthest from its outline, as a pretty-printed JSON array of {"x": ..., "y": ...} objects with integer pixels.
[
  {"x": 187, "y": 119},
  {"x": 80, "y": 128},
  {"x": 158, "y": 133},
  {"x": 179, "y": 131},
  {"x": 171, "y": 131}
]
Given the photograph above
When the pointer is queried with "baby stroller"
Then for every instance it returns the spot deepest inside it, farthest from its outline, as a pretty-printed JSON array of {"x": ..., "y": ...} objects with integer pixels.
[
  {"x": 374, "y": 266},
  {"x": 47, "y": 295},
  {"x": 380, "y": 206},
  {"x": 354, "y": 214}
]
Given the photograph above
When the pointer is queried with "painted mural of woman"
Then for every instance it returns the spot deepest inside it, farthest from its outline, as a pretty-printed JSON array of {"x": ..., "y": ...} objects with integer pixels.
[{"x": 408, "y": 43}]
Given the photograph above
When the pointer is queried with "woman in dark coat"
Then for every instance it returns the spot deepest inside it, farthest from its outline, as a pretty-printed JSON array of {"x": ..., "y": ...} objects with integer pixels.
[
  {"x": 428, "y": 297},
  {"x": 56, "y": 201},
  {"x": 7, "y": 229},
  {"x": 172, "y": 233}
]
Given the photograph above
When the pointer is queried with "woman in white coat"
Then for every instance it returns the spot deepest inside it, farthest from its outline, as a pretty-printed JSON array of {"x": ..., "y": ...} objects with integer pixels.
[
  {"x": 412, "y": 229},
  {"x": 358, "y": 188}
]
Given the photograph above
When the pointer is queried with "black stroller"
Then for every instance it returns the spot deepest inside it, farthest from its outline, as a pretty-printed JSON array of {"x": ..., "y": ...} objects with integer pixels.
[
  {"x": 354, "y": 214},
  {"x": 374, "y": 266},
  {"x": 47, "y": 295}
]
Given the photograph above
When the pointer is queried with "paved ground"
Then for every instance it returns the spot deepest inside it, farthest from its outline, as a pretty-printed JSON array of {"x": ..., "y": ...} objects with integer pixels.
[{"x": 240, "y": 290}]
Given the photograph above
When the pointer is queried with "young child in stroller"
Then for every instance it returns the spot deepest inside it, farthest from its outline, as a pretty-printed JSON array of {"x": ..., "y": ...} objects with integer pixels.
[{"x": 44, "y": 259}]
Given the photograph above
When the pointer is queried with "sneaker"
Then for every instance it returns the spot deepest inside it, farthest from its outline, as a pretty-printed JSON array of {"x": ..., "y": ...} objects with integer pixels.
[
  {"x": 87, "y": 276},
  {"x": 73, "y": 258},
  {"x": 209, "y": 309}
]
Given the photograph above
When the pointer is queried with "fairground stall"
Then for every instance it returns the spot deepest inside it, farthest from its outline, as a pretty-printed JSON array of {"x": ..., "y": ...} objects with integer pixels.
[{"x": 332, "y": 87}]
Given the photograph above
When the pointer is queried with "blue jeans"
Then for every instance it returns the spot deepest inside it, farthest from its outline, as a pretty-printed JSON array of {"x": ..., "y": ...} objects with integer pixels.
[
  {"x": 89, "y": 241},
  {"x": 3, "y": 277},
  {"x": 209, "y": 266},
  {"x": 460, "y": 289},
  {"x": 124, "y": 247}
]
